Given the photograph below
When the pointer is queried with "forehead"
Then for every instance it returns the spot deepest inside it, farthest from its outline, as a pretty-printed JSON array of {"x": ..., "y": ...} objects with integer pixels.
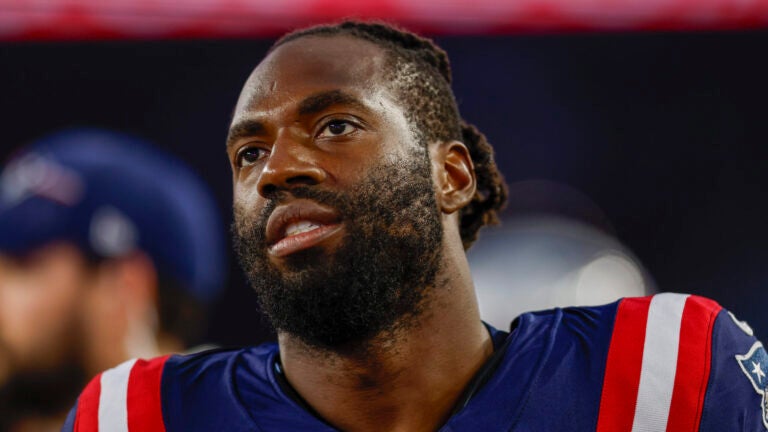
[{"x": 313, "y": 64}]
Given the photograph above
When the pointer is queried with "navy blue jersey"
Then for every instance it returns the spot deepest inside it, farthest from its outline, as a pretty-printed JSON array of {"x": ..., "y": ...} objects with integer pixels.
[{"x": 669, "y": 362}]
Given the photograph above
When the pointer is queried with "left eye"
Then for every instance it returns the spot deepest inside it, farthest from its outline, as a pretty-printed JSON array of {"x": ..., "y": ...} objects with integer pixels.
[{"x": 337, "y": 128}]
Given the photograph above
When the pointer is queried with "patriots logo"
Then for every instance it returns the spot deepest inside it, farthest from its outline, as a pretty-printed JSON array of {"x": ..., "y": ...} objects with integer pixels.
[
  {"x": 754, "y": 364},
  {"x": 765, "y": 407}
]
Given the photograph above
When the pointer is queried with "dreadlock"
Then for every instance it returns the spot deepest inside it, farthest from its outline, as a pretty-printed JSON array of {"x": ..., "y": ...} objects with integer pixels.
[{"x": 420, "y": 74}]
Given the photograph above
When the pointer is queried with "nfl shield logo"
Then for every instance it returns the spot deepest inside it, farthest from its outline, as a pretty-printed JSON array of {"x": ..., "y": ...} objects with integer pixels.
[{"x": 754, "y": 364}]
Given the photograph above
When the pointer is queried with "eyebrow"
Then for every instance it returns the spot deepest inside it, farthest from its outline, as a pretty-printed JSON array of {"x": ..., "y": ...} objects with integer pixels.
[
  {"x": 321, "y": 101},
  {"x": 311, "y": 105},
  {"x": 244, "y": 128}
]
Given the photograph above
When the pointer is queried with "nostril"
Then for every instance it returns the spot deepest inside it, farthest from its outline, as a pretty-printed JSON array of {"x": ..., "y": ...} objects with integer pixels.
[{"x": 268, "y": 190}]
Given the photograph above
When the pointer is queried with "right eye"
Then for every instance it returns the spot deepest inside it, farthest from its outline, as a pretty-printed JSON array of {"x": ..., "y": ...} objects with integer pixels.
[{"x": 250, "y": 155}]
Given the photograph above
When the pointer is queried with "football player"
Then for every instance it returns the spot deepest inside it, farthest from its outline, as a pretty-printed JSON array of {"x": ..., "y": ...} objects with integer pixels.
[
  {"x": 109, "y": 249},
  {"x": 357, "y": 190}
]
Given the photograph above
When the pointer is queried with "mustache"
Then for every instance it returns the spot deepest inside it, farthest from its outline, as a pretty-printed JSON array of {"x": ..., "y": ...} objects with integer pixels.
[{"x": 258, "y": 222}]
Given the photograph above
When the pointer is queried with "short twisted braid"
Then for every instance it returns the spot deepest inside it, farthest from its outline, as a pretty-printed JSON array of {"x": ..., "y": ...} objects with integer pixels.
[{"x": 420, "y": 73}]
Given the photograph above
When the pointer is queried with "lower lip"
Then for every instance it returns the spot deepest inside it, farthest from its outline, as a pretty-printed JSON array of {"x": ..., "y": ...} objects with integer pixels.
[{"x": 305, "y": 240}]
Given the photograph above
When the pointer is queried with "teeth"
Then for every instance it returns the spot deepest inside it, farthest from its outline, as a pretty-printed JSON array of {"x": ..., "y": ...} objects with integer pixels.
[{"x": 300, "y": 227}]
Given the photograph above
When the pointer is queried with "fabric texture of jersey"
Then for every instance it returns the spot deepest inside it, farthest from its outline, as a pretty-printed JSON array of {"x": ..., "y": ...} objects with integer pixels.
[{"x": 669, "y": 362}]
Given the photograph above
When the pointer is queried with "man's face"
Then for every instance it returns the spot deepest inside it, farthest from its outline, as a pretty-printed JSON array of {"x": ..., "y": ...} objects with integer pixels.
[
  {"x": 336, "y": 222},
  {"x": 40, "y": 299}
]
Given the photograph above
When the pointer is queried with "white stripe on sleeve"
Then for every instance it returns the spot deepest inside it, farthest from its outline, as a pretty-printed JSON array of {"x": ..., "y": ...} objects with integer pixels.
[
  {"x": 113, "y": 402},
  {"x": 657, "y": 375}
]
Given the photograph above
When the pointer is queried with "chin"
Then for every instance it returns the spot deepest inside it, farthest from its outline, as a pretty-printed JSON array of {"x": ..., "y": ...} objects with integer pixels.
[{"x": 303, "y": 260}]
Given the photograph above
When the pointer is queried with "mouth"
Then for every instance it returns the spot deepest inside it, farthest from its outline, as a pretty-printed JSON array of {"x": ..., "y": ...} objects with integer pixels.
[
  {"x": 300, "y": 225},
  {"x": 303, "y": 239}
]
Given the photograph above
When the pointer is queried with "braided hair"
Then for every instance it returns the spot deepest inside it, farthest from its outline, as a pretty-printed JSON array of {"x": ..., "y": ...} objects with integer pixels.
[{"x": 420, "y": 74}]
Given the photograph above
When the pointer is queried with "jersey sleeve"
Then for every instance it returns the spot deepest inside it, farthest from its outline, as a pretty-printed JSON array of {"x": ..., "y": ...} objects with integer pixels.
[
  {"x": 69, "y": 423},
  {"x": 679, "y": 362},
  {"x": 122, "y": 399},
  {"x": 737, "y": 389}
]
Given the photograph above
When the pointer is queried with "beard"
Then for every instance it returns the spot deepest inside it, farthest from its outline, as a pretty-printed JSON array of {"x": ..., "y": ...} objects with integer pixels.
[
  {"x": 40, "y": 392},
  {"x": 379, "y": 277},
  {"x": 40, "y": 395}
]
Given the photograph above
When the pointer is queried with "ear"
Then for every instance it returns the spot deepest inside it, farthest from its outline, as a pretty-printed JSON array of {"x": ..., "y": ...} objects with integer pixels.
[
  {"x": 137, "y": 281},
  {"x": 454, "y": 175},
  {"x": 137, "y": 277},
  {"x": 120, "y": 311}
]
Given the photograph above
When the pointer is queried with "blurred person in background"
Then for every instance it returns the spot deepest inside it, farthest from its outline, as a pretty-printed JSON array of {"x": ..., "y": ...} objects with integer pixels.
[
  {"x": 109, "y": 249},
  {"x": 358, "y": 188}
]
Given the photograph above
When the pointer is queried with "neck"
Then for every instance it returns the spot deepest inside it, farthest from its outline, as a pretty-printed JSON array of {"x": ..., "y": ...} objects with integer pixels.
[{"x": 408, "y": 381}]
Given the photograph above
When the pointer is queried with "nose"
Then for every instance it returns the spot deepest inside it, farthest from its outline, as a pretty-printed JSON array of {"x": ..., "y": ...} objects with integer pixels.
[{"x": 291, "y": 163}]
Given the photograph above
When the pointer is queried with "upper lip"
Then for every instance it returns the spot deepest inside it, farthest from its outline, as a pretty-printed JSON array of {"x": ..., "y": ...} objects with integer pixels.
[{"x": 295, "y": 211}]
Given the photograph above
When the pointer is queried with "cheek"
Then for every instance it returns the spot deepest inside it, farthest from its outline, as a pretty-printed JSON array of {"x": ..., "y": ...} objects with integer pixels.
[
  {"x": 245, "y": 192},
  {"x": 246, "y": 205},
  {"x": 36, "y": 308}
]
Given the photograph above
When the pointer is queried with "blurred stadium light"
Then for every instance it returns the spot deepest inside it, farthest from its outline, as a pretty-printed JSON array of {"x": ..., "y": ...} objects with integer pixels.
[
  {"x": 152, "y": 19},
  {"x": 537, "y": 262},
  {"x": 554, "y": 248}
]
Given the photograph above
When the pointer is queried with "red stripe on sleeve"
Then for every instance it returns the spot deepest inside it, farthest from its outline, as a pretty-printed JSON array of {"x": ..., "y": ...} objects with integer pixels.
[
  {"x": 693, "y": 363},
  {"x": 145, "y": 413},
  {"x": 622, "y": 368},
  {"x": 87, "y": 417}
]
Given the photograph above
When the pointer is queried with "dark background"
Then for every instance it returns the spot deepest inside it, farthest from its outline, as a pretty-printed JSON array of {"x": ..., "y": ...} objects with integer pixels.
[{"x": 665, "y": 132}]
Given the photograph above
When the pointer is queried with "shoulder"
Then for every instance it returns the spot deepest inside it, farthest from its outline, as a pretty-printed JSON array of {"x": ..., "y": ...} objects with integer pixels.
[
  {"x": 142, "y": 393},
  {"x": 673, "y": 362},
  {"x": 632, "y": 316},
  {"x": 104, "y": 402},
  {"x": 663, "y": 362}
]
